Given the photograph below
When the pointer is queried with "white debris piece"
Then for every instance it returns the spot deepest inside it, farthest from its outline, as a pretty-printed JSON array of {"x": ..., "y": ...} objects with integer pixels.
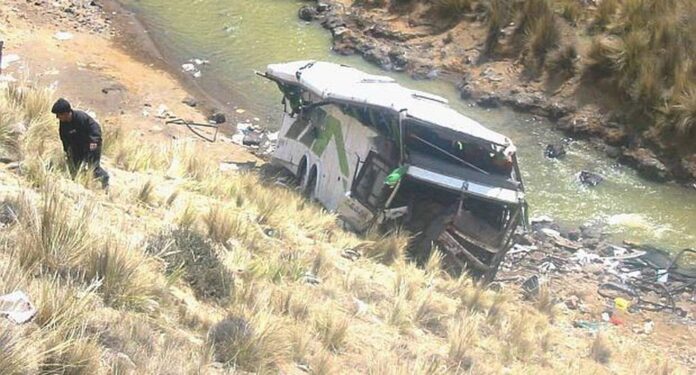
[
  {"x": 243, "y": 127},
  {"x": 238, "y": 139},
  {"x": 550, "y": 232},
  {"x": 63, "y": 35},
  {"x": 197, "y": 74},
  {"x": 17, "y": 307},
  {"x": 7, "y": 60},
  {"x": 162, "y": 111},
  {"x": 272, "y": 136},
  {"x": 200, "y": 62},
  {"x": 541, "y": 219},
  {"x": 188, "y": 67}
]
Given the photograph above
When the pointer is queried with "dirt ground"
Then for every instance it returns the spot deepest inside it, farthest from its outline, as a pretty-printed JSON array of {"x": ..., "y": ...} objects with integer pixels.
[{"x": 95, "y": 73}]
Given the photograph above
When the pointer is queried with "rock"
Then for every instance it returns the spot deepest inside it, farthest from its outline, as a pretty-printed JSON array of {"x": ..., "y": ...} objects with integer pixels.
[
  {"x": 590, "y": 178},
  {"x": 466, "y": 91},
  {"x": 488, "y": 101},
  {"x": 218, "y": 118},
  {"x": 307, "y": 13},
  {"x": 573, "y": 234},
  {"x": 647, "y": 164},
  {"x": 555, "y": 151},
  {"x": 688, "y": 164},
  {"x": 557, "y": 110},
  {"x": 398, "y": 59},
  {"x": 612, "y": 151},
  {"x": 322, "y": 7},
  {"x": 252, "y": 139},
  {"x": 189, "y": 101}
]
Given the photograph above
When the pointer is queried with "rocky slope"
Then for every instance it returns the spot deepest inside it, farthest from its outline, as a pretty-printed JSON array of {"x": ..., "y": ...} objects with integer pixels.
[{"x": 411, "y": 36}]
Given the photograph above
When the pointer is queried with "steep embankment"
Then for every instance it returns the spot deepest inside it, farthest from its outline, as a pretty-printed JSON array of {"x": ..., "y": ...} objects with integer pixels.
[
  {"x": 617, "y": 71},
  {"x": 183, "y": 268}
]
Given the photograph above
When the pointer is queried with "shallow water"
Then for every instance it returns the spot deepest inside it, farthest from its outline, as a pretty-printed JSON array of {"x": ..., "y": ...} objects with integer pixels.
[{"x": 240, "y": 36}]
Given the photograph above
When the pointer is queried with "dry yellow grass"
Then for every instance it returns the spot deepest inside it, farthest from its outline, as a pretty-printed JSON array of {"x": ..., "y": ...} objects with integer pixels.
[{"x": 237, "y": 273}]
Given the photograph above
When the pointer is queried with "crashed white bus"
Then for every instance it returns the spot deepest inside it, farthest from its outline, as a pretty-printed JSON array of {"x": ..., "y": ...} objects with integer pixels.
[{"x": 376, "y": 152}]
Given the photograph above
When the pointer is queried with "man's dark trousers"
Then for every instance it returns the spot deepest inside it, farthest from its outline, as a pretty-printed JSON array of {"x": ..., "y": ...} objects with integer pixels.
[{"x": 90, "y": 158}]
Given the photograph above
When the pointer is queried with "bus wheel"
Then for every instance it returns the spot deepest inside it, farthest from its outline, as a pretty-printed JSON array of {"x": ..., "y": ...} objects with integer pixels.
[
  {"x": 311, "y": 183},
  {"x": 301, "y": 173}
]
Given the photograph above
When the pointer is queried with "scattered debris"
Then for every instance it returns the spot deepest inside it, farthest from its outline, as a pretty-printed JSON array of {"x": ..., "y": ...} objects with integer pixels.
[{"x": 17, "y": 307}]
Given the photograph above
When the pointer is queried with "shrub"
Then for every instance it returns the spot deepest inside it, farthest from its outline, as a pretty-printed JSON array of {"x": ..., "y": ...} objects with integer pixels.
[
  {"x": 452, "y": 8},
  {"x": 386, "y": 248},
  {"x": 187, "y": 253}
]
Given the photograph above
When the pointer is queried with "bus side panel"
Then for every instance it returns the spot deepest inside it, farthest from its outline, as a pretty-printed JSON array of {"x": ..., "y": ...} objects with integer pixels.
[{"x": 289, "y": 151}]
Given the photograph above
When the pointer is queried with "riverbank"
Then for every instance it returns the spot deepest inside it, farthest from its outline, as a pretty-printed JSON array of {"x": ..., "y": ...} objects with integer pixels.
[
  {"x": 413, "y": 38},
  {"x": 187, "y": 269}
]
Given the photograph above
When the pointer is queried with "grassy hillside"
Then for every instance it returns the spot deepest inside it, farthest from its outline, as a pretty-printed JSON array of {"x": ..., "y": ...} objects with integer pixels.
[{"x": 185, "y": 269}]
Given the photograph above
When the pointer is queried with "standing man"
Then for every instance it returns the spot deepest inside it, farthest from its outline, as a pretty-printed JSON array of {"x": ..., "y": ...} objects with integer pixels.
[{"x": 82, "y": 140}]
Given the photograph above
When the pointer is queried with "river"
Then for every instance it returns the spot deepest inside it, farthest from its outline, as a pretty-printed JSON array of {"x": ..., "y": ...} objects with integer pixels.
[{"x": 240, "y": 36}]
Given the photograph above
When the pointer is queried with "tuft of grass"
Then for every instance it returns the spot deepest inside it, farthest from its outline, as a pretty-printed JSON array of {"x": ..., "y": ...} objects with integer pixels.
[
  {"x": 222, "y": 224},
  {"x": 600, "y": 350},
  {"x": 572, "y": 11},
  {"x": 332, "y": 330},
  {"x": 461, "y": 339},
  {"x": 540, "y": 31},
  {"x": 323, "y": 363},
  {"x": 452, "y": 8},
  {"x": 146, "y": 194},
  {"x": 544, "y": 302},
  {"x": 254, "y": 344},
  {"x": 605, "y": 13},
  {"x": 498, "y": 14},
  {"x": 562, "y": 62},
  {"x": 431, "y": 312},
  {"x": 683, "y": 112},
  {"x": 124, "y": 277},
  {"x": 57, "y": 236},
  {"x": 386, "y": 248}
]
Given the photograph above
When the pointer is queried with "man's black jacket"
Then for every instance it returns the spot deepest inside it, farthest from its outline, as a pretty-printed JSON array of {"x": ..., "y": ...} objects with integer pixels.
[{"x": 77, "y": 134}]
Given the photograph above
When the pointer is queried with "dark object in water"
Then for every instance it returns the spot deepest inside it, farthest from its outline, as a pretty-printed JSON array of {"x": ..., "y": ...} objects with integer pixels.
[
  {"x": 555, "y": 151},
  {"x": 589, "y": 178}
]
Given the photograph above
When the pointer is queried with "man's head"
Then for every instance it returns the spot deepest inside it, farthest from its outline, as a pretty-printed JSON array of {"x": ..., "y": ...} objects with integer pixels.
[{"x": 62, "y": 110}]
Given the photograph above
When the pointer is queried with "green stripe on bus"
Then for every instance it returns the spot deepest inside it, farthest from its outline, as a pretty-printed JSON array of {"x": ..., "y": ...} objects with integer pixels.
[{"x": 332, "y": 129}]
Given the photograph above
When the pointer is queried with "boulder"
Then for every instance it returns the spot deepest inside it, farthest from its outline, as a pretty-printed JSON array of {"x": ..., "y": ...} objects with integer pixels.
[
  {"x": 307, "y": 13},
  {"x": 647, "y": 164},
  {"x": 555, "y": 151},
  {"x": 218, "y": 118},
  {"x": 488, "y": 101},
  {"x": 189, "y": 101},
  {"x": 589, "y": 178},
  {"x": 689, "y": 165}
]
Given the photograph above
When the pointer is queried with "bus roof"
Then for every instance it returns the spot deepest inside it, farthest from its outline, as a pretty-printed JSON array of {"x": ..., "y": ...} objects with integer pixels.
[{"x": 342, "y": 83}]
